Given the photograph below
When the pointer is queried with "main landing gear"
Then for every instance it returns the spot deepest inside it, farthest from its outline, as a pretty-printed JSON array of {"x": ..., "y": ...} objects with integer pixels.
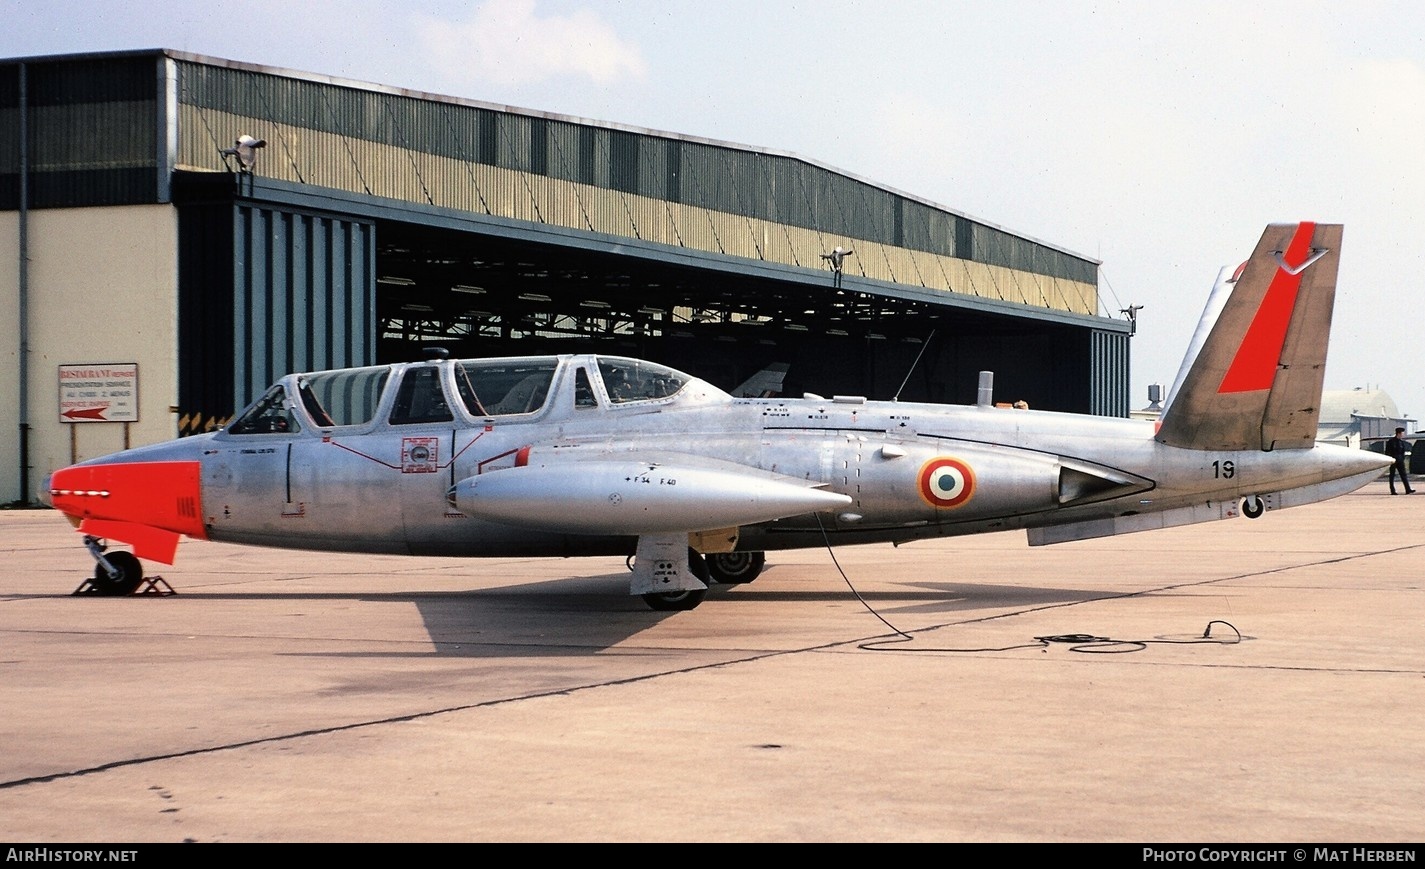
[
  {"x": 723, "y": 568},
  {"x": 677, "y": 601},
  {"x": 735, "y": 568}
]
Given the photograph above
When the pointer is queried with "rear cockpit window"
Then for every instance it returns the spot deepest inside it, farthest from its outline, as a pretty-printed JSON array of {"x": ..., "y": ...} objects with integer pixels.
[
  {"x": 583, "y": 390},
  {"x": 421, "y": 398},
  {"x": 635, "y": 380},
  {"x": 269, "y": 416},
  {"x": 500, "y": 387},
  {"x": 347, "y": 397}
]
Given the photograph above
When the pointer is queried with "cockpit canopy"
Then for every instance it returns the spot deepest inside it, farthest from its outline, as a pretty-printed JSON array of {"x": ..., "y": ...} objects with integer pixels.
[{"x": 450, "y": 391}]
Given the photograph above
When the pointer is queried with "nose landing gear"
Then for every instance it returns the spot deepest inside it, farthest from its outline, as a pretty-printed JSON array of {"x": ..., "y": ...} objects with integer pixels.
[{"x": 118, "y": 573}]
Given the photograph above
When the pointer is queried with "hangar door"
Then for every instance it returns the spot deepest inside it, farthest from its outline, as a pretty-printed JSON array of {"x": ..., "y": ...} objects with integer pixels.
[{"x": 263, "y": 292}]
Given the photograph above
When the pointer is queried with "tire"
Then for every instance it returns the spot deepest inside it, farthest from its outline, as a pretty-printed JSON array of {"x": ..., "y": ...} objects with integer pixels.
[
  {"x": 674, "y": 601},
  {"x": 130, "y": 574},
  {"x": 1253, "y": 507},
  {"x": 680, "y": 601},
  {"x": 736, "y": 568}
]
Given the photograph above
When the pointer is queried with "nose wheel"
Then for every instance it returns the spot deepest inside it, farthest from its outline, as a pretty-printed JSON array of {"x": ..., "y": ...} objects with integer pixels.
[
  {"x": 122, "y": 576},
  {"x": 118, "y": 573},
  {"x": 115, "y": 573}
]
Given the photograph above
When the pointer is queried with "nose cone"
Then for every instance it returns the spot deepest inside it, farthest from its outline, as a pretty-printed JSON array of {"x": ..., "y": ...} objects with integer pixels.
[
  {"x": 43, "y": 493},
  {"x": 144, "y": 504},
  {"x": 161, "y": 494}
]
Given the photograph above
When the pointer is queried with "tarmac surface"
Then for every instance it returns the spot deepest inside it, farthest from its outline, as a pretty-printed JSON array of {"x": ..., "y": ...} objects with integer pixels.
[{"x": 304, "y": 697}]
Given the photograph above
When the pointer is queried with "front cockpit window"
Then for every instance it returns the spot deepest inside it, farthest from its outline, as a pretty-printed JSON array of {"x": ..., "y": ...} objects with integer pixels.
[
  {"x": 271, "y": 415},
  {"x": 421, "y": 398},
  {"x": 501, "y": 387},
  {"x": 628, "y": 380},
  {"x": 345, "y": 397}
]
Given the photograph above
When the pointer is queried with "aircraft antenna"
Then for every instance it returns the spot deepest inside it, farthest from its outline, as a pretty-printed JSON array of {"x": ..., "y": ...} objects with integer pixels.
[{"x": 897, "y": 396}]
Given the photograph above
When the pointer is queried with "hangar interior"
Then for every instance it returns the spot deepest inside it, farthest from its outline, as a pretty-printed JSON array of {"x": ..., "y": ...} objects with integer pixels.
[{"x": 375, "y": 221}]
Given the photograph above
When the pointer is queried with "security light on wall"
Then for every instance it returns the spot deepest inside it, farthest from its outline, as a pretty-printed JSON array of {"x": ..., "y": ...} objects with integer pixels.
[{"x": 245, "y": 150}]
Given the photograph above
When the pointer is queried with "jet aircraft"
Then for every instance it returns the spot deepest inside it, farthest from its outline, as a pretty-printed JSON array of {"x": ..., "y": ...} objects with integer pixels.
[{"x": 602, "y": 455}]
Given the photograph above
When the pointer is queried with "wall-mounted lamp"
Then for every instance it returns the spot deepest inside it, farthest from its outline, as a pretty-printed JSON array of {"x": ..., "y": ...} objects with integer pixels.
[{"x": 245, "y": 150}]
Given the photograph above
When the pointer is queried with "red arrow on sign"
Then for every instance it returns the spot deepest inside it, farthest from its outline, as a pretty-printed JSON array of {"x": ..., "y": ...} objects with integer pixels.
[{"x": 86, "y": 413}]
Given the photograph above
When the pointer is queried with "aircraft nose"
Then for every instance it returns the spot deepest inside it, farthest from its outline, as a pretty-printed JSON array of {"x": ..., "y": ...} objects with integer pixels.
[
  {"x": 161, "y": 494},
  {"x": 145, "y": 504}
]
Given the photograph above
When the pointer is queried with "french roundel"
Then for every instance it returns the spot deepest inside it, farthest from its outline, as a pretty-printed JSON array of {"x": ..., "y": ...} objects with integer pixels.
[{"x": 946, "y": 482}]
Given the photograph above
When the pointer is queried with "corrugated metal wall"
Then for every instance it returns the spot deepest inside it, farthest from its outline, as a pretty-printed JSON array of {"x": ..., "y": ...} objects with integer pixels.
[
  {"x": 304, "y": 295},
  {"x": 93, "y": 132},
  {"x": 1108, "y": 363},
  {"x": 698, "y": 195},
  {"x": 264, "y": 292}
]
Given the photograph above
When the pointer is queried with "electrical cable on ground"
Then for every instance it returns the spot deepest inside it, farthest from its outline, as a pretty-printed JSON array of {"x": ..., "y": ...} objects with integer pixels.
[{"x": 1085, "y": 643}]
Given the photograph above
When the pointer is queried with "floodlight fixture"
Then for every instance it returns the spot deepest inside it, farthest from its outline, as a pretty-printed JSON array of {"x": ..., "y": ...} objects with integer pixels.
[{"x": 245, "y": 150}]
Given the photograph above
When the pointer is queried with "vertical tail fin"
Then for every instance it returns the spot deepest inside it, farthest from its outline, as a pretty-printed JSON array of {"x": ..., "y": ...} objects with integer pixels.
[{"x": 1255, "y": 382}]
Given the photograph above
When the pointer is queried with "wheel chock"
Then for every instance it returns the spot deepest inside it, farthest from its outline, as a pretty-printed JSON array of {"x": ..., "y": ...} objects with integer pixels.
[
  {"x": 155, "y": 585},
  {"x": 150, "y": 585}
]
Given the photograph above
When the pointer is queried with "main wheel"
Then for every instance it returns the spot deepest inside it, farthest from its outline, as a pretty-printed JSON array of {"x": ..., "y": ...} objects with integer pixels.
[
  {"x": 676, "y": 601},
  {"x": 735, "y": 568},
  {"x": 130, "y": 574}
]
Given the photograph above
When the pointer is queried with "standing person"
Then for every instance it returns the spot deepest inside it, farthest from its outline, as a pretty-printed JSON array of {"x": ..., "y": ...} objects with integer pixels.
[{"x": 1395, "y": 448}]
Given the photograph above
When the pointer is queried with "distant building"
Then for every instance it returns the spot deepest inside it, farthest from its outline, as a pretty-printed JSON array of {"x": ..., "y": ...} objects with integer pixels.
[
  {"x": 1354, "y": 417},
  {"x": 1349, "y": 417},
  {"x": 1155, "y": 404}
]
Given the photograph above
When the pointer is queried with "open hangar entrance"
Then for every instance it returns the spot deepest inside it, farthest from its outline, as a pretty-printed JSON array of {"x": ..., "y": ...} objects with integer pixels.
[
  {"x": 275, "y": 279},
  {"x": 490, "y": 295}
]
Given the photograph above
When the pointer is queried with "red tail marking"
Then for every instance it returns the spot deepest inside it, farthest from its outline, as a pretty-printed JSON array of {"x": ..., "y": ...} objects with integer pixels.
[{"x": 1255, "y": 365}]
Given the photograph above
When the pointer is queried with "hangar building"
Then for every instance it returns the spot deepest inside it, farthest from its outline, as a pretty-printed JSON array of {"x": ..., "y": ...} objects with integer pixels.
[{"x": 156, "y": 280}]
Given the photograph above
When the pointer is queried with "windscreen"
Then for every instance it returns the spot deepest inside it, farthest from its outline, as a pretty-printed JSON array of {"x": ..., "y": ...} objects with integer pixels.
[
  {"x": 270, "y": 415},
  {"x": 635, "y": 380}
]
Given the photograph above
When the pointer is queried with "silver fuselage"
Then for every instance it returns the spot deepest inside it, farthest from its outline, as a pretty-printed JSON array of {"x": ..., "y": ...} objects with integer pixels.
[{"x": 387, "y": 488}]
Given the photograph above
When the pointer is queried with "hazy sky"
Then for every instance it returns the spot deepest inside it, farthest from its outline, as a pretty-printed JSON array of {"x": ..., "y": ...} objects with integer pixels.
[{"x": 1157, "y": 137}]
